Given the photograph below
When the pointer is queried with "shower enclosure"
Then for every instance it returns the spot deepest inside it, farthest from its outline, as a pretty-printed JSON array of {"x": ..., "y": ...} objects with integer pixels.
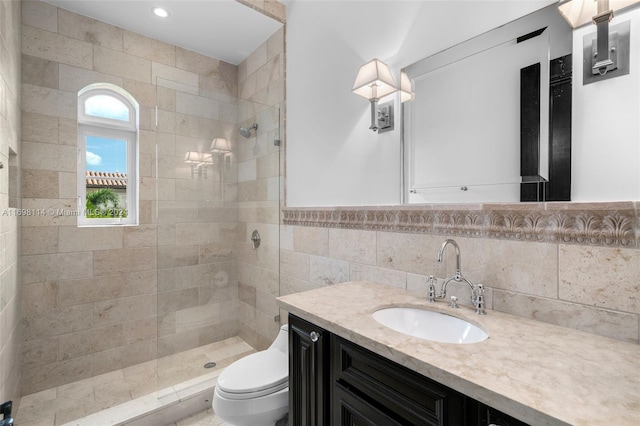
[
  {"x": 216, "y": 181},
  {"x": 111, "y": 314},
  {"x": 183, "y": 294}
]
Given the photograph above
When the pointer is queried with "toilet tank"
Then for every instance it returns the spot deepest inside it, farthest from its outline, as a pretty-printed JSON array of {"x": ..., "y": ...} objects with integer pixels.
[{"x": 282, "y": 340}]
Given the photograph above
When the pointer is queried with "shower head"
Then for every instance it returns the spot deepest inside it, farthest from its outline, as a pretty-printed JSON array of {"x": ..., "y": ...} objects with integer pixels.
[{"x": 246, "y": 131}]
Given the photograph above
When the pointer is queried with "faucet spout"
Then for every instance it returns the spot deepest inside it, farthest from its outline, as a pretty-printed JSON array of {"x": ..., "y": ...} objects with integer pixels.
[
  {"x": 477, "y": 292},
  {"x": 443, "y": 290},
  {"x": 458, "y": 273}
]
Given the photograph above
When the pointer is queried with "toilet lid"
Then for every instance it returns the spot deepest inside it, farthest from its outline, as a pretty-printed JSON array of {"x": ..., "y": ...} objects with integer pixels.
[{"x": 255, "y": 373}]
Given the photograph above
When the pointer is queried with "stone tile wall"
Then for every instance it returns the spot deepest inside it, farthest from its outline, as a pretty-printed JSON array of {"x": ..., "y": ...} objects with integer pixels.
[
  {"x": 10, "y": 151},
  {"x": 576, "y": 266},
  {"x": 99, "y": 299},
  {"x": 272, "y": 8},
  {"x": 260, "y": 189}
]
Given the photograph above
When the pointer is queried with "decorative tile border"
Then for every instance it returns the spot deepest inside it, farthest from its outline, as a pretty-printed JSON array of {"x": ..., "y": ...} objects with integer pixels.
[{"x": 596, "y": 224}]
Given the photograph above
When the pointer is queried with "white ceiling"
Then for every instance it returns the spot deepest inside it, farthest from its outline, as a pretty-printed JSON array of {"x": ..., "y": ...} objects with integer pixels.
[
  {"x": 223, "y": 29},
  {"x": 228, "y": 30}
]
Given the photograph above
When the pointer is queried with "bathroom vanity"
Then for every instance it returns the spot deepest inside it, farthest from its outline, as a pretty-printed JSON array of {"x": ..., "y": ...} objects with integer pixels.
[
  {"x": 333, "y": 381},
  {"x": 346, "y": 368}
]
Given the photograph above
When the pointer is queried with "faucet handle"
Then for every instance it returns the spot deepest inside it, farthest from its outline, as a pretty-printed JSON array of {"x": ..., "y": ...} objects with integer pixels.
[
  {"x": 479, "y": 302},
  {"x": 454, "y": 302},
  {"x": 432, "y": 289}
]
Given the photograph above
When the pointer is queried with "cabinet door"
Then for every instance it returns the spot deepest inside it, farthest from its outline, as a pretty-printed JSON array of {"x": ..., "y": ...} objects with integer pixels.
[
  {"x": 387, "y": 387},
  {"x": 350, "y": 409},
  {"x": 308, "y": 373},
  {"x": 491, "y": 417}
]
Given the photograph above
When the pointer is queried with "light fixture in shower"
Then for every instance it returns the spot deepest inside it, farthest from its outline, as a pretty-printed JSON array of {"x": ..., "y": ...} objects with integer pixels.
[
  {"x": 198, "y": 162},
  {"x": 246, "y": 131},
  {"x": 222, "y": 147}
]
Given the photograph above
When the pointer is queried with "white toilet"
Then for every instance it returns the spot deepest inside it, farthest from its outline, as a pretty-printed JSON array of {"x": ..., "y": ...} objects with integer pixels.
[{"x": 254, "y": 390}]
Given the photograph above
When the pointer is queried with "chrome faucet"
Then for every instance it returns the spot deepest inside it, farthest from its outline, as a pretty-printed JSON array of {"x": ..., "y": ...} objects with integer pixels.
[{"x": 477, "y": 292}]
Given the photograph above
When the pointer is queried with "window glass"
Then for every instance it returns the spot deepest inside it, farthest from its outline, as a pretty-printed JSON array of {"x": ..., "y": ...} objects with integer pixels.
[
  {"x": 107, "y": 107},
  {"x": 107, "y": 156},
  {"x": 106, "y": 177}
]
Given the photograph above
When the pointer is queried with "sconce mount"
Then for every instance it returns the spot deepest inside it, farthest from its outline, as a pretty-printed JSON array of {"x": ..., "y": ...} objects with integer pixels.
[
  {"x": 616, "y": 63},
  {"x": 382, "y": 117},
  {"x": 606, "y": 53},
  {"x": 604, "y": 62}
]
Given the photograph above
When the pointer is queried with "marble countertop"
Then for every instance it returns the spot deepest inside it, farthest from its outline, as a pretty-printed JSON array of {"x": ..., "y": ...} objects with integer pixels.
[{"x": 539, "y": 373}]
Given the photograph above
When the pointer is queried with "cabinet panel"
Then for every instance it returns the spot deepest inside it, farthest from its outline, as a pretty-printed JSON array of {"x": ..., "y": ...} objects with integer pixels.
[
  {"x": 350, "y": 409},
  {"x": 409, "y": 397},
  {"x": 333, "y": 381},
  {"x": 492, "y": 417},
  {"x": 308, "y": 373}
]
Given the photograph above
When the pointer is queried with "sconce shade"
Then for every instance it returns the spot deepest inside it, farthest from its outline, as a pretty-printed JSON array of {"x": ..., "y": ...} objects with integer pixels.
[
  {"x": 192, "y": 157},
  {"x": 406, "y": 88},
  {"x": 220, "y": 146},
  {"x": 374, "y": 80},
  {"x": 207, "y": 158},
  {"x": 580, "y": 12}
]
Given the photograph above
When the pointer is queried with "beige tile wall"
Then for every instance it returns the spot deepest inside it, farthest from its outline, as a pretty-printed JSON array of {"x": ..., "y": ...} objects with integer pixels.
[
  {"x": 261, "y": 80},
  {"x": 273, "y": 8},
  {"x": 10, "y": 288},
  {"x": 99, "y": 299},
  {"x": 593, "y": 289}
]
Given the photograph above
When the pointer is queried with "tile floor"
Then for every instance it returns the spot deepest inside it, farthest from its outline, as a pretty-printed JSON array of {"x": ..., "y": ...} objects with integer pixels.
[
  {"x": 57, "y": 406},
  {"x": 206, "y": 418}
]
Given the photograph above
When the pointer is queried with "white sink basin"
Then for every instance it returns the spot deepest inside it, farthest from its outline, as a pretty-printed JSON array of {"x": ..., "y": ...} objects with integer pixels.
[{"x": 430, "y": 325}]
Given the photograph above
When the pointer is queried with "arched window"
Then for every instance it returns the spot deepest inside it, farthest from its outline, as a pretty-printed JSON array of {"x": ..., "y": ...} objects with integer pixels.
[{"x": 107, "y": 156}]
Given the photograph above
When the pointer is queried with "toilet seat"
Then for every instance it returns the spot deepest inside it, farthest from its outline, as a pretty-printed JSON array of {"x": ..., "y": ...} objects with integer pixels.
[{"x": 258, "y": 374}]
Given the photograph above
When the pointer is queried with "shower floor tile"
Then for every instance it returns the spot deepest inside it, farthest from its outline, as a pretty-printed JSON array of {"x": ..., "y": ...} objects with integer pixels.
[
  {"x": 206, "y": 418},
  {"x": 54, "y": 407}
]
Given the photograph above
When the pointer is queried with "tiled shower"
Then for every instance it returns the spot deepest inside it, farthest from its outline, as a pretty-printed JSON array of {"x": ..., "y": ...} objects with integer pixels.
[{"x": 96, "y": 300}]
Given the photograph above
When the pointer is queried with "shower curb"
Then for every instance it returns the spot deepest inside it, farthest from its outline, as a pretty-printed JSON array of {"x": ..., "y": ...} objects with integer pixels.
[{"x": 161, "y": 408}]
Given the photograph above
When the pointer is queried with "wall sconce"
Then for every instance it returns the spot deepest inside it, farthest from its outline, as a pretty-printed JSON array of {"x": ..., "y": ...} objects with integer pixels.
[
  {"x": 199, "y": 162},
  {"x": 374, "y": 81},
  {"x": 221, "y": 146},
  {"x": 406, "y": 88},
  {"x": 609, "y": 51}
]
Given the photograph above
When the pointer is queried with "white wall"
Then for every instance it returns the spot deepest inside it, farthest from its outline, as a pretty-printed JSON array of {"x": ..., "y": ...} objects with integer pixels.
[
  {"x": 606, "y": 125},
  {"x": 332, "y": 156}
]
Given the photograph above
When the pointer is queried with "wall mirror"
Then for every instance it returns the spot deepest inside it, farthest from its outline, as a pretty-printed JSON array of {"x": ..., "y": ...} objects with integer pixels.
[{"x": 491, "y": 119}]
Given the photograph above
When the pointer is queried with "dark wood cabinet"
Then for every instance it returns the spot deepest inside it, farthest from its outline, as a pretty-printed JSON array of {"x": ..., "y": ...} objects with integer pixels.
[
  {"x": 402, "y": 395},
  {"x": 336, "y": 382},
  {"x": 308, "y": 373},
  {"x": 352, "y": 409}
]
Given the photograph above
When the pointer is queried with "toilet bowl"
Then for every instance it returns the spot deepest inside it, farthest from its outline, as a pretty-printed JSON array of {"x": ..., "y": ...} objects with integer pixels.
[{"x": 254, "y": 390}]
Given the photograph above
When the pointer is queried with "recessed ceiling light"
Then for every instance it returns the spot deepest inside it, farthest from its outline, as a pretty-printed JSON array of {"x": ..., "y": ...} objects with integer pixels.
[{"x": 158, "y": 11}]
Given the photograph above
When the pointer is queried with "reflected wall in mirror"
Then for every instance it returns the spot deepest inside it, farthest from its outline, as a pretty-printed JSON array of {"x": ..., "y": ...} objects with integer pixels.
[{"x": 479, "y": 129}]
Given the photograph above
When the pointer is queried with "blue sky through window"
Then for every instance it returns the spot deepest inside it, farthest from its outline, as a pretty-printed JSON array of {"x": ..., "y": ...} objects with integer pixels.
[
  {"x": 106, "y": 106},
  {"x": 106, "y": 155}
]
